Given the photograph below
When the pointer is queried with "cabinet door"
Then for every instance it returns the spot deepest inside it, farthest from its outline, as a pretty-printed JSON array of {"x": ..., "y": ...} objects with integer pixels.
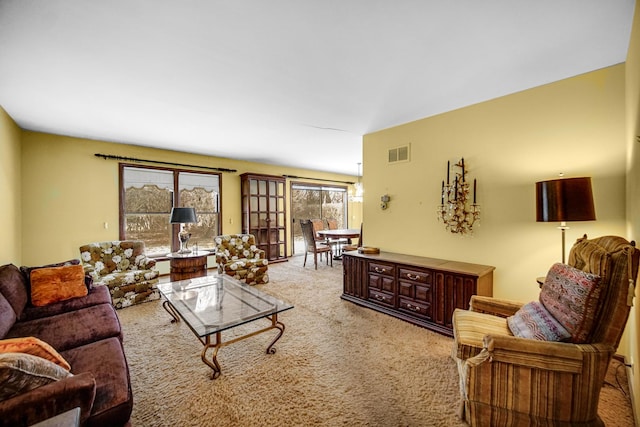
[
  {"x": 451, "y": 291},
  {"x": 263, "y": 213},
  {"x": 354, "y": 273}
]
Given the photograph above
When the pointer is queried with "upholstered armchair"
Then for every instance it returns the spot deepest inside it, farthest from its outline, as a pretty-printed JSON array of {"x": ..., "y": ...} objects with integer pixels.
[
  {"x": 544, "y": 363},
  {"x": 124, "y": 268},
  {"x": 237, "y": 255}
]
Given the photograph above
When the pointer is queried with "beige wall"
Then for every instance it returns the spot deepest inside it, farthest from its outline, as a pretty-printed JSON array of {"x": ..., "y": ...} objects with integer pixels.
[
  {"x": 70, "y": 194},
  {"x": 631, "y": 342},
  {"x": 575, "y": 126},
  {"x": 10, "y": 190}
]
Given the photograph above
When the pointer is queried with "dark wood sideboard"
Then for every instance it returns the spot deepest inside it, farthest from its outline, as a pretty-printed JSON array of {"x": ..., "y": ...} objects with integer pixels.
[{"x": 423, "y": 291}]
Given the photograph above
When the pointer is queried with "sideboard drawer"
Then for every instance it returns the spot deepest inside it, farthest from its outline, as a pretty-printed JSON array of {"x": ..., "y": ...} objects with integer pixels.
[
  {"x": 413, "y": 307},
  {"x": 385, "y": 269},
  {"x": 417, "y": 276},
  {"x": 381, "y": 297}
]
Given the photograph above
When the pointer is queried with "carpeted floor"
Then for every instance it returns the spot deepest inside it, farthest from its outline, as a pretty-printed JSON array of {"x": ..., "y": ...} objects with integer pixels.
[{"x": 337, "y": 364}]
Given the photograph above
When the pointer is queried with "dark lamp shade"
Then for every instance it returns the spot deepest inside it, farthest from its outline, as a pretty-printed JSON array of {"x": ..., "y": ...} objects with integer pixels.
[
  {"x": 183, "y": 216},
  {"x": 564, "y": 199}
]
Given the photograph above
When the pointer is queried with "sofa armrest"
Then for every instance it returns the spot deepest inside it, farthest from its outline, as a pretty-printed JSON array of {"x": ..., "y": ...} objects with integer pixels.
[
  {"x": 495, "y": 306},
  {"x": 50, "y": 400}
]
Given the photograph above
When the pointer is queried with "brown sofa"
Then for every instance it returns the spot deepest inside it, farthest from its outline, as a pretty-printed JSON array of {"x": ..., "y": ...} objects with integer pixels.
[{"x": 86, "y": 332}]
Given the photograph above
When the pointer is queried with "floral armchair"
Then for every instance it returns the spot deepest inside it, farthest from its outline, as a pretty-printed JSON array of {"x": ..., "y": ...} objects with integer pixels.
[
  {"x": 237, "y": 255},
  {"x": 124, "y": 268},
  {"x": 553, "y": 377}
]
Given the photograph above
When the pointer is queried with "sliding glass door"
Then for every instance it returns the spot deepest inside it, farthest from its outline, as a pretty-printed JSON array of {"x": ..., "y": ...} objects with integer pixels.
[{"x": 310, "y": 201}]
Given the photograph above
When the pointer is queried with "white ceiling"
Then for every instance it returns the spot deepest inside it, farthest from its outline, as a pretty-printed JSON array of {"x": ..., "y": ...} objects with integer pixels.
[{"x": 286, "y": 82}]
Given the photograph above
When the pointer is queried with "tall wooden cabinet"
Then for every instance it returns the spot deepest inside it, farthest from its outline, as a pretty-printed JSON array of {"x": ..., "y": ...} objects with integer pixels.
[
  {"x": 423, "y": 291},
  {"x": 263, "y": 213}
]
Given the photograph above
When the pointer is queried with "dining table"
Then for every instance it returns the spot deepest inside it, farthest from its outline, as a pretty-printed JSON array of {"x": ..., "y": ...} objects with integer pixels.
[{"x": 336, "y": 235}]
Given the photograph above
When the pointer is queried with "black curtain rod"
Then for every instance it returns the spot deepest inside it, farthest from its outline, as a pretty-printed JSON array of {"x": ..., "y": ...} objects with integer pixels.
[
  {"x": 317, "y": 179},
  {"x": 132, "y": 159}
]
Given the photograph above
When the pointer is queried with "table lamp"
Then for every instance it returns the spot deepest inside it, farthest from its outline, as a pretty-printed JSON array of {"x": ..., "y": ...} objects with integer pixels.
[
  {"x": 183, "y": 216},
  {"x": 562, "y": 200}
]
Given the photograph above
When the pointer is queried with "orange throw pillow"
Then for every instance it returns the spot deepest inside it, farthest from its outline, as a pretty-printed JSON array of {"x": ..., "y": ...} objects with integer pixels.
[
  {"x": 34, "y": 347},
  {"x": 49, "y": 285}
]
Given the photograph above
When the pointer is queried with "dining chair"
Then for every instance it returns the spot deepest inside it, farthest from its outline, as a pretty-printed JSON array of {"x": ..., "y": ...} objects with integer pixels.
[
  {"x": 312, "y": 245},
  {"x": 319, "y": 225}
]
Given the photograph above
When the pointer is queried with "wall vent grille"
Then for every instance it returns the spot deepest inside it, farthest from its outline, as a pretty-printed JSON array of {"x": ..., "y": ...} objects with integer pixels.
[{"x": 400, "y": 154}]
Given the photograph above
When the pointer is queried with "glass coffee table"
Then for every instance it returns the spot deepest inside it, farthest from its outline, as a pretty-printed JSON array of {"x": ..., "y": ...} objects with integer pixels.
[{"x": 212, "y": 304}]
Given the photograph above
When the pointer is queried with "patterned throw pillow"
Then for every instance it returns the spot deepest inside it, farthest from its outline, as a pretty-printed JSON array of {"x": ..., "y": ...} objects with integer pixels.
[
  {"x": 534, "y": 321},
  {"x": 572, "y": 297},
  {"x": 20, "y": 372},
  {"x": 49, "y": 285},
  {"x": 35, "y": 347}
]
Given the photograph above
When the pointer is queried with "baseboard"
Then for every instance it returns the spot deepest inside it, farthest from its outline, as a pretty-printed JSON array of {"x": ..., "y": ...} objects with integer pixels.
[{"x": 629, "y": 369}]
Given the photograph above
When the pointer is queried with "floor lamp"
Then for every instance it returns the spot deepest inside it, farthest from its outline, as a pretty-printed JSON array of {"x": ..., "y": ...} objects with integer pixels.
[
  {"x": 562, "y": 200},
  {"x": 183, "y": 216}
]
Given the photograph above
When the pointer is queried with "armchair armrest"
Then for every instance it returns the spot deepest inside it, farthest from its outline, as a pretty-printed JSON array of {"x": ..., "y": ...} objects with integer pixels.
[
  {"x": 50, "y": 400},
  {"x": 259, "y": 254},
  {"x": 146, "y": 263},
  {"x": 500, "y": 381},
  {"x": 497, "y": 307},
  {"x": 547, "y": 355},
  {"x": 90, "y": 271},
  {"x": 221, "y": 258}
]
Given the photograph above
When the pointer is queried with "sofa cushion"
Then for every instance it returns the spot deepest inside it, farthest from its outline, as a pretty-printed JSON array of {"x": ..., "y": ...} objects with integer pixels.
[
  {"x": 533, "y": 321},
  {"x": 572, "y": 297},
  {"x": 53, "y": 284},
  {"x": 96, "y": 295},
  {"x": 67, "y": 330},
  {"x": 35, "y": 347},
  {"x": 129, "y": 279},
  {"x": 106, "y": 361},
  {"x": 88, "y": 281},
  {"x": 20, "y": 372},
  {"x": 7, "y": 316},
  {"x": 13, "y": 286}
]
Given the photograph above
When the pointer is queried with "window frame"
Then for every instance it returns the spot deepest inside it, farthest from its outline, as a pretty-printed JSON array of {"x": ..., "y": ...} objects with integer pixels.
[
  {"x": 175, "y": 228},
  {"x": 315, "y": 186}
]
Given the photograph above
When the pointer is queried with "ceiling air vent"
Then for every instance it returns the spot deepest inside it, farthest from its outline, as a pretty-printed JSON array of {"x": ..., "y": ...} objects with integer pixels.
[{"x": 399, "y": 154}]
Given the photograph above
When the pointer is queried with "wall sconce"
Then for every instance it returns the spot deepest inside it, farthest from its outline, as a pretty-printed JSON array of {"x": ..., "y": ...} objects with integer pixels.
[
  {"x": 455, "y": 211},
  {"x": 384, "y": 201}
]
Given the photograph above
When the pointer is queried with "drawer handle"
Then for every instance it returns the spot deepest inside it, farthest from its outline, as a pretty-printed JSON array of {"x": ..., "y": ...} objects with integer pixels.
[
  {"x": 379, "y": 297},
  {"x": 414, "y": 308},
  {"x": 380, "y": 270},
  {"x": 413, "y": 276}
]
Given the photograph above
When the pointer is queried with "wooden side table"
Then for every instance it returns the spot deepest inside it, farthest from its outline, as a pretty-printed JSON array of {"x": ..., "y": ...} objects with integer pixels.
[{"x": 187, "y": 266}]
